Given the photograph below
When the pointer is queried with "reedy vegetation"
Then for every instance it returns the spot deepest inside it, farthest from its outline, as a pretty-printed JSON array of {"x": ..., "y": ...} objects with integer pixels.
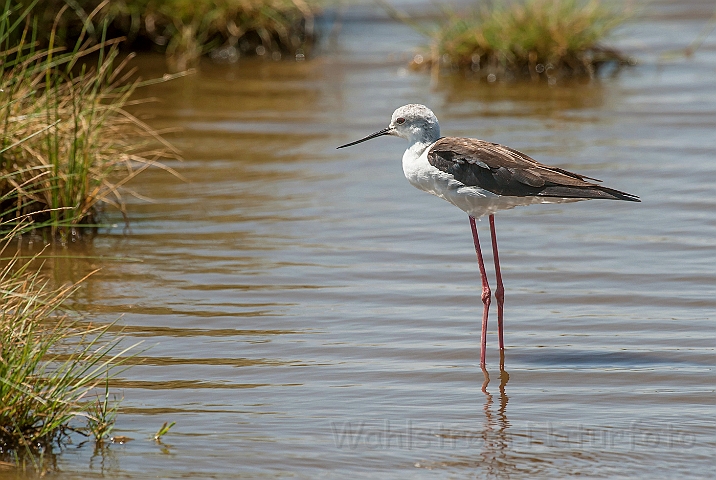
[
  {"x": 65, "y": 137},
  {"x": 533, "y": 39},
  {"x": 68, "y": 144},
  {"x": 50, "y": 365}
]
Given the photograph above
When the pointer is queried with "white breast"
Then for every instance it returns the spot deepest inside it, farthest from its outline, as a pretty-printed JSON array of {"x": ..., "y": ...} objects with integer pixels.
[{"x": 472, "y": 200}]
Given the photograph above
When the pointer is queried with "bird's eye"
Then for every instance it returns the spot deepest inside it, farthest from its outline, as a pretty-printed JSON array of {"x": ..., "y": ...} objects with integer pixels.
[{"x": 400, "y": 121}]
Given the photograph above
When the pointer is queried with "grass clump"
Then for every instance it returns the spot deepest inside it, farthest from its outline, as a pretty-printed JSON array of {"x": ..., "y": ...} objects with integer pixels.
[
  {"x": 50, "y": 365},
  {"x": 187, "y": 29},
  {"x": 68, "y": 146},
  {"x": 531, "y": 39},
  {"x": 101, "y": 417}
]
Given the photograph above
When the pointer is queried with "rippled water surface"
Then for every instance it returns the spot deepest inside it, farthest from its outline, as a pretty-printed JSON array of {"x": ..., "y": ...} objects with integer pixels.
[{"x": 307, "y": 313}]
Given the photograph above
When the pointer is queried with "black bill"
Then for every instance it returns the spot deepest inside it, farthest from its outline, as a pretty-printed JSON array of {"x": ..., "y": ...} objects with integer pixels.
[{"x": 385, "y": 131}]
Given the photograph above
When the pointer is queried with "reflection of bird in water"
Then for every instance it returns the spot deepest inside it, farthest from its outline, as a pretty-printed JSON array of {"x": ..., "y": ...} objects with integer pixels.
[
  {"x": 491, "y": 451},
  {"x": 482, "y": 178},
  {"x": 495, "y": 434}
]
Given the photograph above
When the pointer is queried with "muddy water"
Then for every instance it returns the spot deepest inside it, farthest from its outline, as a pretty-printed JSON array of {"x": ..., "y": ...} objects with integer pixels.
[{"x": 308, "y": 313}]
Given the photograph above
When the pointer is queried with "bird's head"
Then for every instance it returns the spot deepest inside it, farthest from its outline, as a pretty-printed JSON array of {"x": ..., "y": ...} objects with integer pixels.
[{"x": 414, "y": 122}]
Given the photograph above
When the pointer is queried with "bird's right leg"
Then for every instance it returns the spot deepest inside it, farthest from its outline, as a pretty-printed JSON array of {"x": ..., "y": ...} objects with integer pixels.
[
  {"x": 500, "y": 290},
  {"x": 486, "y": 293}
]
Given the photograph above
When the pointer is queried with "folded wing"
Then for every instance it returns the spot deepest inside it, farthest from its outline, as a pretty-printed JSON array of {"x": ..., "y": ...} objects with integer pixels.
[{"x": 505, "y": 171}]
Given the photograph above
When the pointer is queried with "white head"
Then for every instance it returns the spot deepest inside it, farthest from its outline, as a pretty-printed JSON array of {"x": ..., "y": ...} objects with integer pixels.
[{"x": 415, "y": 123}]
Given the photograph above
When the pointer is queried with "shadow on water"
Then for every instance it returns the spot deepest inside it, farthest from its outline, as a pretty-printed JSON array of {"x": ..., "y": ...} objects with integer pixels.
[{"x": 586, "y": 358}]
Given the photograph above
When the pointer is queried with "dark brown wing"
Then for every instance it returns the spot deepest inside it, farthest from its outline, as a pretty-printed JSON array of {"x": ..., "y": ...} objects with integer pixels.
[{"x": 505, "y": 171}]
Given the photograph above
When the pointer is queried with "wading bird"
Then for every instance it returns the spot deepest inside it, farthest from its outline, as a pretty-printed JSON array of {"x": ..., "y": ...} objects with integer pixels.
[{"x": 482, "y": 178}]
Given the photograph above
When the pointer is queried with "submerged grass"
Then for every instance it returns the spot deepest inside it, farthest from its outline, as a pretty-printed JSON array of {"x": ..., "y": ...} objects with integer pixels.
[
  {"x": 68, "y": 145},
  {"x": 526, "y": 39}
]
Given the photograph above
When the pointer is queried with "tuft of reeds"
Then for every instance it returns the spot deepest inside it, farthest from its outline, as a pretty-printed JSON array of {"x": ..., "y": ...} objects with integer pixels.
[
  {"x": 537, "y": 39},
  {"x": 68, "y": 146},
  {"x": 50, "y": 365}
]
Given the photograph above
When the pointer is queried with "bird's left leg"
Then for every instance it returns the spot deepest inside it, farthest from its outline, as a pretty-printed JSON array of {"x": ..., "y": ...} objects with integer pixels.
[
  {"x": 500, "y": 291},
  {"x": 486, "y": 293}
]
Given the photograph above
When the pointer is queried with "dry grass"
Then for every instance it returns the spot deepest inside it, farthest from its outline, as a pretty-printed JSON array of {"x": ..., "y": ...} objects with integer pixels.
[{"x": 535, "y": 39}]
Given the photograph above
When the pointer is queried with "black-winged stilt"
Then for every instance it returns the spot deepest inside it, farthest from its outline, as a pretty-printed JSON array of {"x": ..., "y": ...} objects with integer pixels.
[{"x": 482, "y": 178}]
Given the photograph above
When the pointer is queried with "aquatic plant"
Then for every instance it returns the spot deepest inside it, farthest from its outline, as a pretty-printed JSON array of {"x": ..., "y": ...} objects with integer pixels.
[
  {"x": 163, "y": 430},
  {"x": 534, "y": 39},
  {"x": 68, "y": 145},
  {"x": 101, "y": 415}
]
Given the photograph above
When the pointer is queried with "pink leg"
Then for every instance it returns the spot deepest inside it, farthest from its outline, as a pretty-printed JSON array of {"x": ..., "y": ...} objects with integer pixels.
[
  {"x": 486, "y": 294},
  {"x": 500, "y": 291}
]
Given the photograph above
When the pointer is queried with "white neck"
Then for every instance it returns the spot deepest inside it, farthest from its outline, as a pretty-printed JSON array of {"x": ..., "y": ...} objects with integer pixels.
[
  {"x": 416, "y": 149},
  {"x": 421, "y": 138},
  {"x": 428, "y": 133}
]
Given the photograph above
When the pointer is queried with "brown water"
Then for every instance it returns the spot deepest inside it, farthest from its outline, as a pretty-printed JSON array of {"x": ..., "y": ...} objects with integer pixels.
[{"x": 307, "y": 313}]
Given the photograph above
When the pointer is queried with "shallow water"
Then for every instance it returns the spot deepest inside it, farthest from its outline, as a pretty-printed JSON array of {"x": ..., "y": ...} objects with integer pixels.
[{"x": 308, "y": 313}]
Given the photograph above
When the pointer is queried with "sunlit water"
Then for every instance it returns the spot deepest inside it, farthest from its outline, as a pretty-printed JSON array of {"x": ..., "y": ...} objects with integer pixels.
[{"x": 306, "y": 313}]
